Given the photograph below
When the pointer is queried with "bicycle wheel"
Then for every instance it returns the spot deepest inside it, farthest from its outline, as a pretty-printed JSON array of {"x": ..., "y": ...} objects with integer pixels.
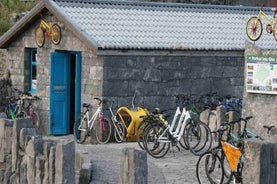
[
  {"x": 140, "y": 132},
  {"x": 39, "y": 37},
  {"x": 182, "y": 141},
  {"x": 254, "y": 28},
  {"x": 228, "y": 175},
  {"x": 56, "y": 34},
  {"x": 119, "y": 132},
  {"x": 209, "y": 169},
  {"x": 103, "y": 130},
  {"x": 35, "y": 119},
  {"x": 198, "y": 138},
  {"x": 21, "y": 114},
  {"x": 80, "y": 129},
  {"x": 156, "y": 140},
  {"x": 275, "y": 32}
]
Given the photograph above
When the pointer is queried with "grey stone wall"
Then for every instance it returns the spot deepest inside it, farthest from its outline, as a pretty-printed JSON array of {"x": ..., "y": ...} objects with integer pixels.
[
  {"x": 261, "y": 106},
  {"x": 2, "y": 61},
  {"x": 157, "y": 78}
]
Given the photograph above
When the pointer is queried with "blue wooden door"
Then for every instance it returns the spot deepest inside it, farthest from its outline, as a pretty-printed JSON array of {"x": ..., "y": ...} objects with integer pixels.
[{"x": 59, "y": 94}]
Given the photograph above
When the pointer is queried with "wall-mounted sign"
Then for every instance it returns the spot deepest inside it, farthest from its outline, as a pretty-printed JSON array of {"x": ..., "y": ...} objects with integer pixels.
[{"x": 261, "y": 74}]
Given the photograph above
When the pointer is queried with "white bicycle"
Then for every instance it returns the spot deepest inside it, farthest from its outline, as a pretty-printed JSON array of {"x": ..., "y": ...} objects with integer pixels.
[
  {"x": 185, "y": 129},
  {"x": 96, "y": 124}
]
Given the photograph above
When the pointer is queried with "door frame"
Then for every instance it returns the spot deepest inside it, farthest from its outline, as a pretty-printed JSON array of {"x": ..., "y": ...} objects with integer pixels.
[{"x": 77, "y": 103}]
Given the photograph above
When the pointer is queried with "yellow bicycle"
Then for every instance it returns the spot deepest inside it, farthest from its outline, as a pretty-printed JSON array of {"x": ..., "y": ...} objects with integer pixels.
[
  {"x": 47, "y": 29},
  {"x": 254, "y": 26}
]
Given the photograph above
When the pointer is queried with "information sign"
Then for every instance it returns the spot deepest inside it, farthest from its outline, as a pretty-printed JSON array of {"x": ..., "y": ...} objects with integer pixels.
[{"x": 261, "y": 74}]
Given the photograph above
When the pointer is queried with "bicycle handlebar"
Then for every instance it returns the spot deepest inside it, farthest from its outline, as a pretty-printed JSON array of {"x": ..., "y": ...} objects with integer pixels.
[
  {"x": 100, "y": 101},
  {"x": 238, "y": 120}
]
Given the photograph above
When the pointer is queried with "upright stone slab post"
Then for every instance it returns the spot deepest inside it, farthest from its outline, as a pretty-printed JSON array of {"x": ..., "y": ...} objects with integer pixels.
[
  {"x": 65, "y": 161},
  {"x": 6, "y": 127},
  {"x": 133, "y": 166},
  {"x": 220, "y": 116},
  {"x": 259, "y": 162},
  {"x": 17, "y": 126}
]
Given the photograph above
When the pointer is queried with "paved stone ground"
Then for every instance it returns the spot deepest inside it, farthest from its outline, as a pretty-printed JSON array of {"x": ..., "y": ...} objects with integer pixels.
[{"x": 176, "y": 167}]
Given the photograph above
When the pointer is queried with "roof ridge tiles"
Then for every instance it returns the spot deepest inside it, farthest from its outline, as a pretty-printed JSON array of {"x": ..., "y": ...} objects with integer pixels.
[{"x": 161, "y": 5}]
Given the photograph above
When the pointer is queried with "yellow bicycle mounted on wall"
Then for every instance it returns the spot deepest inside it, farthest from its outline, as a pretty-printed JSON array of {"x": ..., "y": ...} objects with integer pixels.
[
  {"x": 47, "y": 29},
  {"x": 254, "y": 26}
]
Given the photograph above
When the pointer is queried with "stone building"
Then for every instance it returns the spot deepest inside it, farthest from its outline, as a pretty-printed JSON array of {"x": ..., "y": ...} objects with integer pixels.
[{"x": 112, "y": 48}]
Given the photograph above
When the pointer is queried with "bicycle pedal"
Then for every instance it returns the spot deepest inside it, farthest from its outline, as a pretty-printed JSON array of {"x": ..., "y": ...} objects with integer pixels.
[{"x": 238, "y": 179}]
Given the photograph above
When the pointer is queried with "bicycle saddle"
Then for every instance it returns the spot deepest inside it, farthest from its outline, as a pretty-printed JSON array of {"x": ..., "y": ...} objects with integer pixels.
[
  {"x": 86, "y": 105},
  {"x": 268, "y": 128}
]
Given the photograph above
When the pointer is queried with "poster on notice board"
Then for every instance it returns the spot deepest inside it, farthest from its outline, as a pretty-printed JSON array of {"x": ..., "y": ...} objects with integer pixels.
[{"x": 261, "y": 74}]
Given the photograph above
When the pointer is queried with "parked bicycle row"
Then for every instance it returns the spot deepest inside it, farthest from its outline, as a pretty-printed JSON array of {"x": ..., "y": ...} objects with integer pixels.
[
  {"x": 185, "y": 130},
  {"x": 220, "y": 150},
  {"x": 20, "y": 105}
]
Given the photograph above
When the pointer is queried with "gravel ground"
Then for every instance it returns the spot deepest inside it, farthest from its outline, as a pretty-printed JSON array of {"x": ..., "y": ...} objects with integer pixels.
[{"x": 177, "y": 167}]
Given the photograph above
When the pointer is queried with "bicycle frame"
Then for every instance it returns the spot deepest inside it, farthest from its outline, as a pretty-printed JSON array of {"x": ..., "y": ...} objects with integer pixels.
[
  {"x": 113, "y": 118},
  {"x": 179, "y": 130},
  {"x": 185, "y": 116},
  {"x": 12, "y": 109},
  {"x": 44, "y": 24},
  {"x": 93, "y": 118},
  {"x": 263, "y": 16},
  {"x": 48, "y": 27}
]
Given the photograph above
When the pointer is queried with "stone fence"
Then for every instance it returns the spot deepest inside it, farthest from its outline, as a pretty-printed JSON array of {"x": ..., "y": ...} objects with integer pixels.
[{"x": 27, "y": 158}]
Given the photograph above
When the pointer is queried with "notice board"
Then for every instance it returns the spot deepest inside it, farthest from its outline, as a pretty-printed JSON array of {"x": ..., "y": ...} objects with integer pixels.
[{"x": 261, "y": 74}]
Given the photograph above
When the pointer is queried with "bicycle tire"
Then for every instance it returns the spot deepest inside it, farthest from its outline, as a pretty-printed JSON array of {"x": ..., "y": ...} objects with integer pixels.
[
  {"x": 198, "y": 143},
  {"x": 39, "y": 37},
  {"x": 254, "y": 32},
  {"x": 103, "y": 130},
  {"x": 119, "y": 132},
  {"x": 275, "y": 32},
  {"x": 209, "y": 169},
  {"x": 56, "y": 38},
  {"x": 182, "y": 141},
  {"x": 228, "y": 175},
  {"x": 152, "y": 143},
  {"x": 80, "y": 130},
  {"x": 140, "y": 131}
]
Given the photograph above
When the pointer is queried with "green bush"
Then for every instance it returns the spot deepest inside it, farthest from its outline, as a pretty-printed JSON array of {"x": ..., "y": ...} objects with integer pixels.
[{"x": 8, "y": 7}]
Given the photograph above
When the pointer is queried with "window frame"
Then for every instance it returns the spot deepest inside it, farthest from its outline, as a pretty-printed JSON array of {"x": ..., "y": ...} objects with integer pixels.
[{"x": 33, "y": 62}]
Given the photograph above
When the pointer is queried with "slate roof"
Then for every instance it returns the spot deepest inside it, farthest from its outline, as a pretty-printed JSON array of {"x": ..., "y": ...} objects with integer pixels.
[{"x": 158, "y": 26}]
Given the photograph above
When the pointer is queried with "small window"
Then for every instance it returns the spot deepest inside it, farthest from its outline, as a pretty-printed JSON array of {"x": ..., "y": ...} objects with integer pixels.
[{"x": 33, "y": 71}]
